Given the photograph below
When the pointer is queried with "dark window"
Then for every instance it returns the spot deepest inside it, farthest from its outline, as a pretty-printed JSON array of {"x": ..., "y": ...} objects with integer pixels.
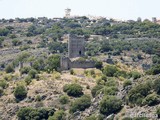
[{"x": 80, "y": 53}]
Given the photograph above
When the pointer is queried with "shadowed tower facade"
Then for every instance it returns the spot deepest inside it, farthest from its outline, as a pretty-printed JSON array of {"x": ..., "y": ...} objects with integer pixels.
[{"x": 76, "y": 46}]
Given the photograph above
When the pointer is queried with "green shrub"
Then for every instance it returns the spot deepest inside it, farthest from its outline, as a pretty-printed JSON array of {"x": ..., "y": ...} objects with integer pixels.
[
  {"x": 139, "y": 92},
  {"x": 58, "y": 115},
  {"x": 127, "y": 83},
  {"x": 95, "y": 89},
  {"x": 81, "y": 104},
  {"x": 3, "y": 84},
  {"x": 29, "y": 113},
  {"x": 110, "y": 70},
  {"x": 157, "y": 86},
  {"x": 135, "y": 74},
  {"x": 28, "y": 80},
  {"x": 98, "y": 64},
  {"x": 32, "y": 73},
  {"x": 1, "y": 91},
  {"x": 25, "y": 70},
  {"x": 64, "y": 99},
  {"x": 112, "y": 90},
  {"x": 151, "y": 99},
  {"x": 20, "y": 92},
  {"x": 72, "y": 72},
  {"x": 9, "y": 68},
  {"x": 158, "y": 112},
  {"x": 92, "y": 117},
  {"x": 110, "y": 104},
  {"x": 74, "y": 90}
]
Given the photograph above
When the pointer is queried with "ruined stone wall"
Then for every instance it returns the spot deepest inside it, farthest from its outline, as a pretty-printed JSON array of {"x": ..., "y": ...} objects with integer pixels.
[
  {"x": 76, "y": 46},
  {"x": 86, "y": 64},
  {"x": 64, "y": 63}
]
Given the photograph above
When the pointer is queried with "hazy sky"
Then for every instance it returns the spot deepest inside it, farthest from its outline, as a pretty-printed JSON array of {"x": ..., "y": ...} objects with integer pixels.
[{"x": 120, "y": 9}]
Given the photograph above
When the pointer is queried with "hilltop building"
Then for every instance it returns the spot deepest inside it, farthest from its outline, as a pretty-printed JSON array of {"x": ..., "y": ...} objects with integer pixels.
[{"x": 76, "y": 52}]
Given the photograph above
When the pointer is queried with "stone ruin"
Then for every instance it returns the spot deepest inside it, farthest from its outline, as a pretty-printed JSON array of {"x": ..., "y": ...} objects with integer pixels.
[{"x": 76, "y": 50}]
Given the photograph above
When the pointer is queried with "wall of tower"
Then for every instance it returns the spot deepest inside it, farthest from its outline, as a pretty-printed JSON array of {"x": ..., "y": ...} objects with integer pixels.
[{"x": 76, "y": 46}]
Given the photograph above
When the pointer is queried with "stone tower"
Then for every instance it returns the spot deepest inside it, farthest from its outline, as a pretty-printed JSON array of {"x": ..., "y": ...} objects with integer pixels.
[{"x": 76, "y": 46}]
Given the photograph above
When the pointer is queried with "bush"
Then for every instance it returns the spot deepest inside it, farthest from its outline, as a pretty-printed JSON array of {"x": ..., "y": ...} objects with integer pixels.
[
  {"x": 98, "y": 65},
  {"x": 29, "y": 113},
  {"x": 1, "y": 91},
  {"x": 110, "y": 70},
  {"x": 139, "y": 92},
  {"x": 64, "y": 99},
  {"x": 151, "y": 99},
  {"x": 58, "y": 115},
  {"x": 20, "y": 92},
  {"x": 72, "y": 72},
  {"x": 127, "y": 83},
  {"x": 25, "y": 70},
  {"x": 92, "y": 117},
  {"x": 110, "y": 104},
  {"x": 158, "y": 112},
  {"x": 112, "y": 90},
  {"x": 3, "y": 84},
  {"x": 157, "y": 86},
  {"x": 28, "y": 80},
  {"x": 81, "y": 104},
  {"x": 95, "y": 89},
  {"x": 9, "y": 68},
  {"x": 32, "y": 73},
  {"x": 74, "y": 90},
  {"x": 135, "y": 74}
]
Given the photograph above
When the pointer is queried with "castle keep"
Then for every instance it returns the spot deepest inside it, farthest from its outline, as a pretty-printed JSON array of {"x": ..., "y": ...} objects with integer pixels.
[{"x": 76, "y": 50}]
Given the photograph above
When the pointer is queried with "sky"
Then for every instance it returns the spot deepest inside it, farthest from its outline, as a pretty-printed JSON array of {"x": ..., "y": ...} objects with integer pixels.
[{"x": 117, "y": 9}]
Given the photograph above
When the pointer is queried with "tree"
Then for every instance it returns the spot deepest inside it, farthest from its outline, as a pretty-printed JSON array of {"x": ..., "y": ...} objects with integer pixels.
[
  {"x": 53, "y": 63},
  {"x": 9, "y": 68},
  {"x": 80, "y": 104},
  {"x": 20, "y": 92},
  {"x": 110, "y": 104},
  {"x": 110, "y": 70},
  {"x": 58, "y": 115},
  {"x": 74, "y": 90}
]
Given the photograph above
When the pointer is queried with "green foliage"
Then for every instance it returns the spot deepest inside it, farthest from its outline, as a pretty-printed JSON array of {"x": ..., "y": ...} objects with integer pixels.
[
  {"x": 80, "y": 104},
  {"x": 157, "y": 86},
  {"x": 1, "y": 91},
  {"x": 20, "y": 92},
  {"x": 28, "y": 80},
  {"x": 25, "y": 70},
  {"x": 9, "y": 68},
  {"x": 154, "y": 70},
  {"x": 127, "y": 83},
  {"x": 16, "y": 42},
  {"x": 135, "y": 75},
  {"x": 139, "y": 92},
  {"x": 71, "y": 71},
  {"x": 151, "y": 99},
  {"x": 98, "y": 64},
  {"x": 111, "y": 90},
  {"x": 92, "y": 117},
  {"x": 110, "y": 70},
  {"x": 32, "y": 73},
  {"x": 95, "y": 90},
  {"x": 158, "y": 112},
  {"x": 110, "y": 104},
  {"x": 58, "y": 115},
  {"x": 3, "y": 84},
  {"x": 64, "y": 99},
  {"x": 74, "y": 90},
  {"x": 28, "y": 113},
  {"x": 53, "y": 63}
]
